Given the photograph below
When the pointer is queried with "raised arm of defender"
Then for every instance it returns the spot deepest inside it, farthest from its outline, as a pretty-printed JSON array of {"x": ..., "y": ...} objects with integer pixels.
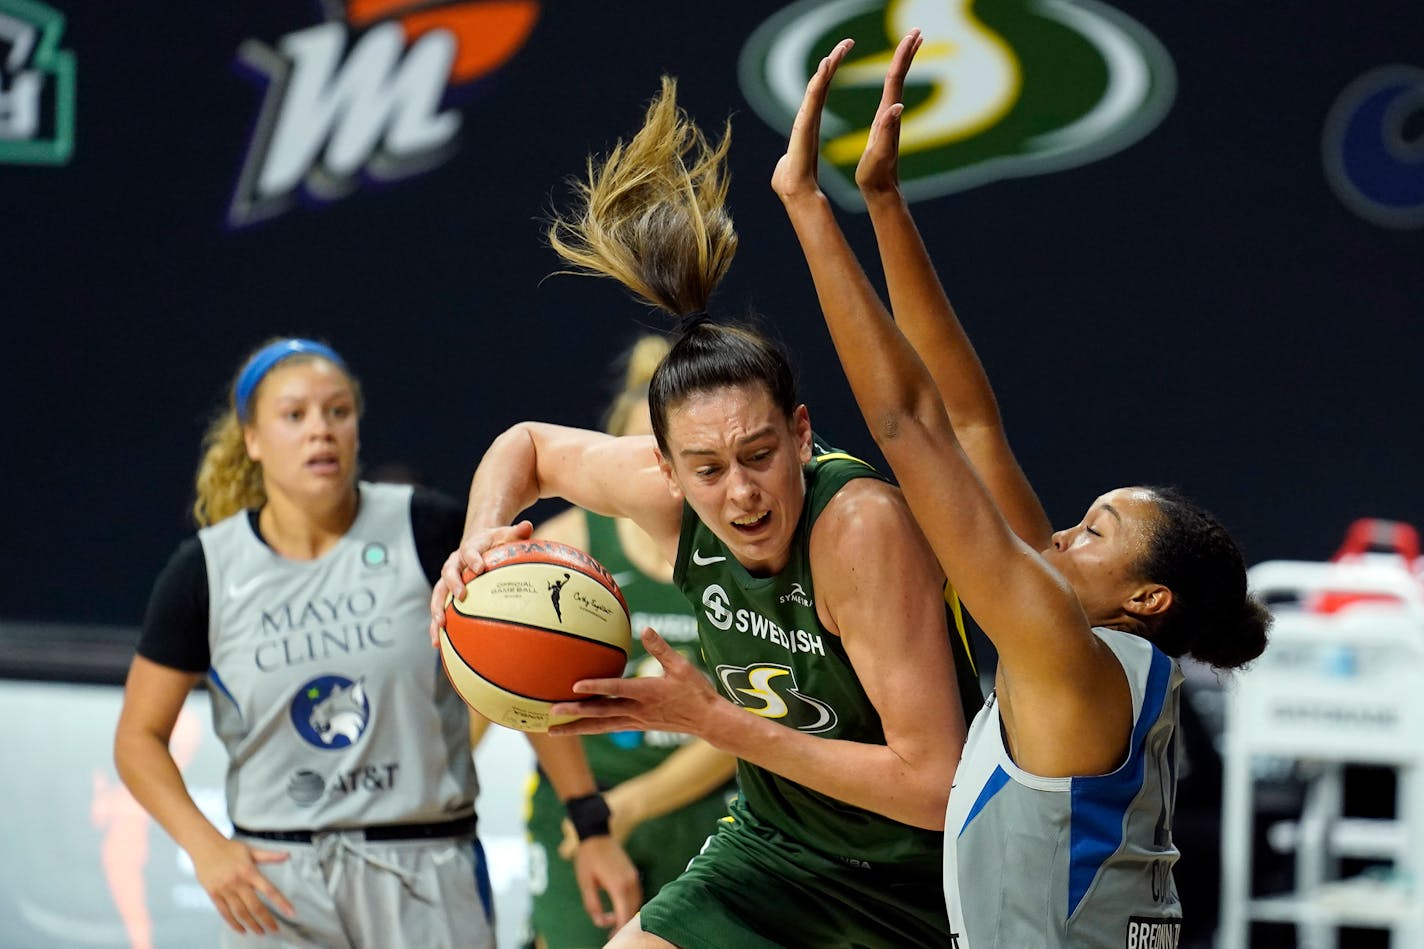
[{"x": 1025, "y": 606}]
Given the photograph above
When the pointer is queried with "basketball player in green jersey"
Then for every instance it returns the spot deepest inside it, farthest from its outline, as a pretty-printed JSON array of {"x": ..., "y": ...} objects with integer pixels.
[
  {"x": 821, "y": 610},
  {"x": 665, "y": 791}
]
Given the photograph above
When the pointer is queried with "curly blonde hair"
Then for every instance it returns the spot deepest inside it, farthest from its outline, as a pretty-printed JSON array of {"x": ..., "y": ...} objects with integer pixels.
[{"x": 652, "y": 214}]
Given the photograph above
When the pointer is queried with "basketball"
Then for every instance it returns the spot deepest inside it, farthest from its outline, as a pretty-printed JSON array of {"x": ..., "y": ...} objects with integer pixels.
[{"x": 541, "y": 617}]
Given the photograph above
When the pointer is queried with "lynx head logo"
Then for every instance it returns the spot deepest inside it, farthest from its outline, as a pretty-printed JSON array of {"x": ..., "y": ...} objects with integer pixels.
[
  {"x": 331, "y": 711},
  {"x": 364, "y": 95},
  {"x": 1000, "y": 89}
]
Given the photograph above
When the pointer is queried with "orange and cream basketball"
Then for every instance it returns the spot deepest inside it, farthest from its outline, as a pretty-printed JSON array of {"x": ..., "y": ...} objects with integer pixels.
[{"x": 542, "y": 616}]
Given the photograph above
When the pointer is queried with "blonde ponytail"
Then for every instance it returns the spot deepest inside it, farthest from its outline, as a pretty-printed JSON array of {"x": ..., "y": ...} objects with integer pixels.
[
  {"x": 228, "y": 480},
  {"x": 651, "y": 214}
]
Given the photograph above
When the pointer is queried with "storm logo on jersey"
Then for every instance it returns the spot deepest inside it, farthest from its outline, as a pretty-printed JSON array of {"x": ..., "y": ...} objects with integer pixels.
[
  {"x": 770, "y": 691},
  {"x": 331, "y": 711}
]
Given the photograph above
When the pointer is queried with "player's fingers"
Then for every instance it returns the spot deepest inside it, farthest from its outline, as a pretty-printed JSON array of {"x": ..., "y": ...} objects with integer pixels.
[
  {"x": 899, "y": 66},
  {"x": 220, "y": 904},
  {"x": 807, "y": 126},
  {"x": 242, "y": 913},
  {"x": 590, "y": 894},
  {"x": 452, "y": 576},
  {"x": 264, "y": 886},
  {"x": 626, "y": 896},
  {"x": 614, "y": 687},
  {"x": 258, "y": 912},
  {"x": 656, "y": 646},
  {"x": 590, "y": 725}
]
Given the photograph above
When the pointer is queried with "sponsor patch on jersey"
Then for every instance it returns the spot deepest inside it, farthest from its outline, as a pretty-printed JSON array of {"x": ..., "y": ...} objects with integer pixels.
[
  {"x": 331, "y": 711},
  {"x": 1148, "y": 932},
  {"x": 305, "y": 787},
  {"x": 374, "y": 555}
]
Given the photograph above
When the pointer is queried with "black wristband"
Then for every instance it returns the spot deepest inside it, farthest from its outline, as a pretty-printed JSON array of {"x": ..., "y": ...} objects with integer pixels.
[{"x": 589, "y": 815}]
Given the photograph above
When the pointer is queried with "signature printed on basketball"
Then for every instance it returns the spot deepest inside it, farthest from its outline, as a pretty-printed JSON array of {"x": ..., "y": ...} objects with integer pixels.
[{"x": 702, "y": 561}]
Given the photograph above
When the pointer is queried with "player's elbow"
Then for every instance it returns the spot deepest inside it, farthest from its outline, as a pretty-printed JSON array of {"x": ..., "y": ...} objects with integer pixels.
[
  {"x": 928, "y": 787},
  {"x": 930, "y": 807}
]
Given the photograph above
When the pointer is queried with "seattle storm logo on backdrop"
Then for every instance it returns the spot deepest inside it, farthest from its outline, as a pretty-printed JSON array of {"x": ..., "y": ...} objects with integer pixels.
[
  {"x": 331, "y": 711},
  {"x": 1000, "y": 89},
  {"x": 365, "y": 94},
  {"x": 36, "y": 86}
]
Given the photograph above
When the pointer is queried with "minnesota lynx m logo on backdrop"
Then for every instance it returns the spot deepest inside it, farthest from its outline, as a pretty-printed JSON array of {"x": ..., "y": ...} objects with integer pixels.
[
  {"x": 1000, "y": 88},
  {"x": 36, "y": 86},
  {"x": 364, "y": 95}
]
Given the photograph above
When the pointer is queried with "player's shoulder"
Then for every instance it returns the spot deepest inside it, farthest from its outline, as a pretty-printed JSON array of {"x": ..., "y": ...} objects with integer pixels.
[{"x": 864, "y": 514}]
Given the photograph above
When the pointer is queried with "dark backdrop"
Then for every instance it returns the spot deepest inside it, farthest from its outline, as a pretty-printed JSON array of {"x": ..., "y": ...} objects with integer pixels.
[{"x": 1200, "y": 308}]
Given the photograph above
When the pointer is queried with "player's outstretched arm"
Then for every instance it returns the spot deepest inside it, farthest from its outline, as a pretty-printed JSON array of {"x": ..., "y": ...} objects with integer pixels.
[
  {"x": 924, "y": 314},
  {"x": 1025, "y": 607},
  {"x": 227, "y": 869}
]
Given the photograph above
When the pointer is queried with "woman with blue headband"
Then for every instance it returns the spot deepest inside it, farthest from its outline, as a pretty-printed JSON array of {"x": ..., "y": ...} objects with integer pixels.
[{"x": 300, "y": 601}]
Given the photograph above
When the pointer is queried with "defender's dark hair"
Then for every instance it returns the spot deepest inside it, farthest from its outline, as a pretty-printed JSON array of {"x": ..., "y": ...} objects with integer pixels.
[
  {"x": 1213, "y": 617},
  {"x": 652, "y": 215}
]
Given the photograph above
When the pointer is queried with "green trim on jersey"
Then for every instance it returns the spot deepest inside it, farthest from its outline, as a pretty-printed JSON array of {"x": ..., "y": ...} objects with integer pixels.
[{"x": 769, "y": 653}]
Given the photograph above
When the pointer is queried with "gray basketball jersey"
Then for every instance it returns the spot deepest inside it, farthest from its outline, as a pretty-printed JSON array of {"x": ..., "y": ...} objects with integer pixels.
[
  {"x": 333, "y": 707},
  {"x": 1069, "y": 862}
]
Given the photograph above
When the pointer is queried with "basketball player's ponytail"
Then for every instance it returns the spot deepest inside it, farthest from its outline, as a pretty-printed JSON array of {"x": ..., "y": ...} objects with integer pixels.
[
  {"x": 652, "y": 215},
  {"x": 1212, "y": 617},
  {"x": 228, "y": 481}
]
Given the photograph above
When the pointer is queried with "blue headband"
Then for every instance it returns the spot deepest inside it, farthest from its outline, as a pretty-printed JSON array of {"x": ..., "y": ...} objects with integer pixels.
[{"x": 268, "y": 356}]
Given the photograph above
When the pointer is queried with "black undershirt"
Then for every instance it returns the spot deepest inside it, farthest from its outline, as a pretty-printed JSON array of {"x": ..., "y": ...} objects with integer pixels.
[{"x": 175, "y": 625}]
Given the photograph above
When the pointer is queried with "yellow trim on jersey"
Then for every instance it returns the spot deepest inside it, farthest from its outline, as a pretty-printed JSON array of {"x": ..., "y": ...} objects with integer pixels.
[
  {"x": 952, "y": 598},
  {"x": 831, "y": 455},
  {"x": 531, "y": 784}
]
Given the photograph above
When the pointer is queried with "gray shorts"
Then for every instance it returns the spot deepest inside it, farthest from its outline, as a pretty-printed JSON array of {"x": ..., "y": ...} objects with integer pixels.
[{"x": 351, "y": 893}]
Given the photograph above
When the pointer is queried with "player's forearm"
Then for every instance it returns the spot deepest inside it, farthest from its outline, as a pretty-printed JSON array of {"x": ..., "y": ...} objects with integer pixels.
[
  {"x": 148, "y": 770},
  {"x": 688, "y": 774},
  {"x": 563, "y": 762},
  {"x": 873, "y": 777},
  {"x": 505, "y": 482},
  {"x": 887, "y": 378},
  {"x": 924, "y": 314}
]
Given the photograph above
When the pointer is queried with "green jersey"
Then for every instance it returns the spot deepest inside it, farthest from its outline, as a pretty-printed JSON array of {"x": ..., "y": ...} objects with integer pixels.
[{"x": 769, "y": 653}]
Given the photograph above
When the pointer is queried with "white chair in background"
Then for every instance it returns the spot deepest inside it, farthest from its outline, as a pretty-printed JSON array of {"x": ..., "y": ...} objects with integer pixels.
[{"x": 1332, "y": 689}]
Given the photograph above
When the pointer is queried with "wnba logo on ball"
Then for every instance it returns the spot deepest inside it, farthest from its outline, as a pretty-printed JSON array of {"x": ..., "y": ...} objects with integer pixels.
[
  {"x": 331, "y": 711},
  {"x": 364, "y": 94}
]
